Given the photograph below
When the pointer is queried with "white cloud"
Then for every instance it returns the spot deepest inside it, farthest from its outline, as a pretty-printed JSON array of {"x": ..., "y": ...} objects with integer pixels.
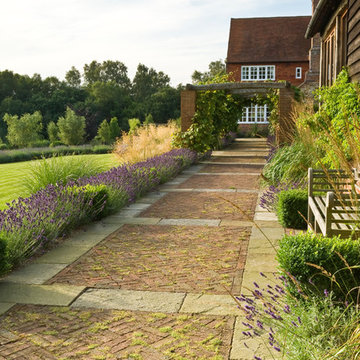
[{"x": 175, "y": 36}]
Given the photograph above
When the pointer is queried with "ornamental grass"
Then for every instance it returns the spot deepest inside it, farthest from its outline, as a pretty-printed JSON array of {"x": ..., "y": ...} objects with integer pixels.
[{"x": 146, "y": 142}]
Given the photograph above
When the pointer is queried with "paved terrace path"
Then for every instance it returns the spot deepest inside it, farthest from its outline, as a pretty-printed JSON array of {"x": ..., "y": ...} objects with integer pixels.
[{"x": 152, "y": 281}]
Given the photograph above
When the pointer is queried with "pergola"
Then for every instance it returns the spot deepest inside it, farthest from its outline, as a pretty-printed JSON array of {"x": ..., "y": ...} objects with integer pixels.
[{"x": 247, "y": 89}]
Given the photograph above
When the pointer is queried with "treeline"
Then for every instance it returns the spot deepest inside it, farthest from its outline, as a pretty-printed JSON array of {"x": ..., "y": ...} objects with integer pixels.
[{"x": 103, "y": 91}]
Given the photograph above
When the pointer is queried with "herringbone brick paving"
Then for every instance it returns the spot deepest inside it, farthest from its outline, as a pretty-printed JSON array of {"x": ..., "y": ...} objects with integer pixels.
[
  {"x": 164, "y": 258},
  {"x": 65, "y": 333},
  {"x": 156, "y": 258}
]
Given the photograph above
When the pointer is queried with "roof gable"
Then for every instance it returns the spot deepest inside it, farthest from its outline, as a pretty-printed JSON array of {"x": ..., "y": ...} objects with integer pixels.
[{"x": 268, "y": 40}]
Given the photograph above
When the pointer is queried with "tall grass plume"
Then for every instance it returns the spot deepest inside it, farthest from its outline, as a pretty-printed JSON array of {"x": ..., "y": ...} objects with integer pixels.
[{"x": 147, "y": 142}]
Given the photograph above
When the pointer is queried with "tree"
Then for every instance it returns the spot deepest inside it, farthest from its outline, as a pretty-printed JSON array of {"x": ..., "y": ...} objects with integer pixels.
[
  {"x": 147, "y": 82},
  {"x": 71, "y": 128},
  {"x": 104, "y": 132},
  {"x": 24, "y": 130},
  {"x": 53, "y": 132},
  {"x": 107, "y": 71},
  {"x": 216, "y": 68},
  {"x": 73, "y": 77},
  {"x": 114, "y": 128}
]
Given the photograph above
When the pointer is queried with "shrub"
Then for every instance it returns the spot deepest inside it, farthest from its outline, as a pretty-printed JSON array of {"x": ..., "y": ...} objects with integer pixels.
[
  {"x": 56, "y": 143},
  {"x": 104, "y": 132},
  {"x": 4, "y": 264},
  {"x": 39, "y": 144},
  {"x": 53, "y": 133},
  {"x": 134, "y": 124},
  {"x": 23, "y": 130},
  {"x": 319, "y": 263},
  {"x": 71, "y": 128},
  {"x": 3, "y": 146},
  {"x": 114, "y": 128},
  {"x": 292, "y": 207}
]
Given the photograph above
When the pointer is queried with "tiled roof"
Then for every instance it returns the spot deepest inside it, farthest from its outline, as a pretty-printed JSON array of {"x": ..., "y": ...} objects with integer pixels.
[{"x": 266, "y": 40}]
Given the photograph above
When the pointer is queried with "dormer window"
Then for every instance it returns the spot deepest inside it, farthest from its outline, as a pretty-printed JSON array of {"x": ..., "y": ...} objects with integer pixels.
[{"x": 258, "y": 73}]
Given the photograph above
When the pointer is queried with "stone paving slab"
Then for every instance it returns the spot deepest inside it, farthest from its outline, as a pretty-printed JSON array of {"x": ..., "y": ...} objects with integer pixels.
[
  {"x": 129, "y": 220},
  {"x": 151, "y": 198},
  {"x": 210, "y": 305},
  {"x": 267, "y": 232},
  {"x": 57, "y": 295},
  {"x": 130, "y": 300},
  {"x": 264, "y": 263},
  {"x": 135, "y": 206},
  {"x": 63, "y": 254},
  {"x": 253, "y": 347},
  {"x": 4, "y": 307},
  {"x": 36, "y": 274},
  {"x": 83, "y": 238},
  {"x": 265, "y": 216},
  {"x": 252, "y": 276},
  {"x": 100, "y": 228}
]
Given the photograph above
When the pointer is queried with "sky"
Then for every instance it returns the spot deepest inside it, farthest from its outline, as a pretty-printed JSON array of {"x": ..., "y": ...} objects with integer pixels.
[{"x": 173, "y": 36}]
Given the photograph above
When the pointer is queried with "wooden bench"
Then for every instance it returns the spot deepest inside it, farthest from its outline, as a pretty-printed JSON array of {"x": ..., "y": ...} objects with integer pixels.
[{"x": 334, "y": 205}]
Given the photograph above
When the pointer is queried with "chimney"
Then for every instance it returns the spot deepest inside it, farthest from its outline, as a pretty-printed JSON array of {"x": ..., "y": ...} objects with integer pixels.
[{"x": 312, "y": 76}]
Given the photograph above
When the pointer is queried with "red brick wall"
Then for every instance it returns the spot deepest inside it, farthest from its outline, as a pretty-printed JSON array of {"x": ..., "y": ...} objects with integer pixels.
[{"x": 283, "y": 71}]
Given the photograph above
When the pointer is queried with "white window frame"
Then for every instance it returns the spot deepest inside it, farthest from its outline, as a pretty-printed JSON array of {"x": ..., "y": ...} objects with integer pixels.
[
  {"x": 257, "y": 72},
  {"x": 298, "y": 73},
  {"x": 251, "y": 114}
]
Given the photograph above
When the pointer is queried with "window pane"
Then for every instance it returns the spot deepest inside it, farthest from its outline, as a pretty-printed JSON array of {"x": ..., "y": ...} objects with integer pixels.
[
  {"x": 262, "y": 72},
  {"x": 271, "y": 73},
  {"x": 253, "y": 72},
  {"x": 245, "y": 72}
]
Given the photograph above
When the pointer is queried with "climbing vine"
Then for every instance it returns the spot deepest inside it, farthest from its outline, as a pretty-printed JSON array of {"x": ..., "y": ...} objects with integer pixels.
[{"x": 217, "y": 114}]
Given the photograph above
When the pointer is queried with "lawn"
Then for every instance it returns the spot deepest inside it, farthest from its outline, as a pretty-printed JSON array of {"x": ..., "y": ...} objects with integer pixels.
[{"x": 12, "y": 176}]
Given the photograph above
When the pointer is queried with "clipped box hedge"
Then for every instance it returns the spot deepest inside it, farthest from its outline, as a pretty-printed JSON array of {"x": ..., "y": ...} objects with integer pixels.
[
  {"x": 321, "y": 264},
  {"x": 292, "y": 207}
]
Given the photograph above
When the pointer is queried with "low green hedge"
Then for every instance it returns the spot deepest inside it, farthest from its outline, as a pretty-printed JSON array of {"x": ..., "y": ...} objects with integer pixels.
[
  {"x": 290, "y": 204},
  {"x": 10, "y": 156},
  {"x": 321, "y": 264}
]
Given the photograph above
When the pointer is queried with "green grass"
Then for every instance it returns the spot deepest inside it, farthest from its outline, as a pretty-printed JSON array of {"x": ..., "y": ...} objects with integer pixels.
[{"x": 12, "y": 176}]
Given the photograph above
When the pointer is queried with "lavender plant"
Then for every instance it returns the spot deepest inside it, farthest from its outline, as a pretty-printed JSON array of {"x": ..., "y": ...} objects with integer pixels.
[
  {"x": 298, "y": 329},
  {"x": 268, "y": 199},
  {"x": 29, "y": 224}
]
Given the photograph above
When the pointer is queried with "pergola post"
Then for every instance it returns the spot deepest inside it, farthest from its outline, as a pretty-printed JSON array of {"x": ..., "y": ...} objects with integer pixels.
[
  {"x": 188, "y": 108},
  {"x": 285, "y": 130}
]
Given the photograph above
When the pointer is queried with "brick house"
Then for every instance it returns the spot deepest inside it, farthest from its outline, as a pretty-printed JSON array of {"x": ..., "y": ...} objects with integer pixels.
[
  {"x": 337, "y": 24},
  {"x": 262, "y": 49}
]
